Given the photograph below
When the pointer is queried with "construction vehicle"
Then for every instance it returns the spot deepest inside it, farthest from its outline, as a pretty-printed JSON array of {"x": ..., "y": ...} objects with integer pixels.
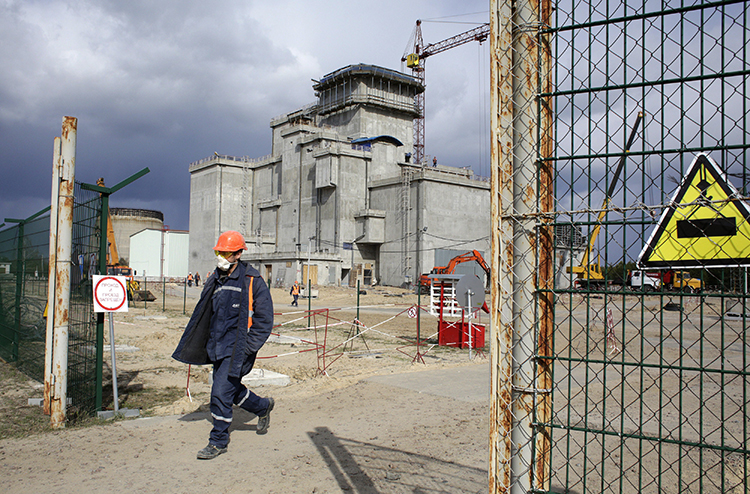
[
  {"x": 474, "y": 255},
  {"x": 647, "y": 281},
  {"x": 681, "y": 281},
  {"x": 116, "y": 269},
  {"x": 589, "y": 275}
]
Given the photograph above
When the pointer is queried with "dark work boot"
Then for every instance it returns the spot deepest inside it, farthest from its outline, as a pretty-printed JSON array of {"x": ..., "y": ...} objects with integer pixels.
[
  {"x": 265, "y": 420},
  {"x": 210, "y": 452}
]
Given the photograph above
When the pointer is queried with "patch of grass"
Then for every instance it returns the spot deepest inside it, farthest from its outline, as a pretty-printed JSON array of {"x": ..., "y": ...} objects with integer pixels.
[
  {"x": 22, "y": 420},
  {"x": 17, "y": 417},
  {"x": 146, "y": 399}
]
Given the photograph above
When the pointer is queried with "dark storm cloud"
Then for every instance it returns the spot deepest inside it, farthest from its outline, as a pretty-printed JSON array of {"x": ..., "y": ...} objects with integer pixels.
[{"x": 160, "y": 84}]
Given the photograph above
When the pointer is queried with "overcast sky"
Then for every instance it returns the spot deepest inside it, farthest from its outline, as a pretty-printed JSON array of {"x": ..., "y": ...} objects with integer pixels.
[{"x": 162, "y": 83}]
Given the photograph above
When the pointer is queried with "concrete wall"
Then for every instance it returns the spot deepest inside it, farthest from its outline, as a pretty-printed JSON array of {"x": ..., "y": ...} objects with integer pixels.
[
  {"x": 448, "y": 209},
  {"x": 219, "y": 187},
  {"x": 318, "y": 191}
]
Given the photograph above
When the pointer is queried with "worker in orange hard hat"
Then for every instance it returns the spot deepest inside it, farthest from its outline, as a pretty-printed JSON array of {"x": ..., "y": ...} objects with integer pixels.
[{"x": 229, "y": 325}]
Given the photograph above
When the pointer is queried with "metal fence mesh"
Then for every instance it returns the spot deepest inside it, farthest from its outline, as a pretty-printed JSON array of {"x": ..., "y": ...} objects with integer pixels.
[
  {"x": 24, "y": 265},
  {"x": 604, "y": 384},
  {"x": 651, "y": 390},
  {"x": 24, "y": 254},
  {"x": 83, "y": 343}
]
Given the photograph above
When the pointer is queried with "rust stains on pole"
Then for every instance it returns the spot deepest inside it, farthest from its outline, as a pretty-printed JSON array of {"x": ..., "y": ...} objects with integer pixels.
[
  {"x": 51, "y": 274},
  {"x": 521, "y": 246},
  {"x": 58, "y": 401},
  {"x": 523, "y": 220},
  {"x": 501, "y": 241}
]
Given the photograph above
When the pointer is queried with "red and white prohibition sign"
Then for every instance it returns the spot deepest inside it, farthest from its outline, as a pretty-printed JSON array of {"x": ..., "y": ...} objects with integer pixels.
[{"x": 110, "y": 294}]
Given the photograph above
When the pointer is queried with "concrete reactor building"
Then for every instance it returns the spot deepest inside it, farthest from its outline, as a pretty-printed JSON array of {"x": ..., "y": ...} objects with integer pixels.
[{"x": 339, "y": 198}]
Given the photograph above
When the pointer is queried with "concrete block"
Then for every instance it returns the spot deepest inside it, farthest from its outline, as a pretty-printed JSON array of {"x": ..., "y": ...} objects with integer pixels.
[
  {"x": 40, "y": 401},
  {"x": 313, "y": 292},
  {"x": 121, "y": 348},
  {"x": 122, "y": 412},
  {"x": 260, "y": 377},
  {"x": 284, "y": 339}
]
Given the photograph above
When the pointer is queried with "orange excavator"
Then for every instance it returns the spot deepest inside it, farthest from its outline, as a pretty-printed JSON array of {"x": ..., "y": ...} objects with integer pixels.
[{"x": 474, "y": 255}]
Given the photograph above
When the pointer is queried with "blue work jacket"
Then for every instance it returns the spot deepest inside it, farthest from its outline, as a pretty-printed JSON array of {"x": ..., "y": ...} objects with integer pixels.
[{"x": 243, "y": 341}]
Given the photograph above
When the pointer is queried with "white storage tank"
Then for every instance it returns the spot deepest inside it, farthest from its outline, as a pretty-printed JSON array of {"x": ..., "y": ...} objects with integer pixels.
[{"x": 127, "y": 221}]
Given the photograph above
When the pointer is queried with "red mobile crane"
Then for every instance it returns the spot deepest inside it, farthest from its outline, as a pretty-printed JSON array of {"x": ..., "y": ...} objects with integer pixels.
[{"x": 415, "y": 61}]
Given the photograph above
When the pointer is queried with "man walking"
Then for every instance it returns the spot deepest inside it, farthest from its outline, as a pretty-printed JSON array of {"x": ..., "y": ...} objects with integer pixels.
[
  {"x": 294, "y": 292},
  {"x": 229, "y": 325}
]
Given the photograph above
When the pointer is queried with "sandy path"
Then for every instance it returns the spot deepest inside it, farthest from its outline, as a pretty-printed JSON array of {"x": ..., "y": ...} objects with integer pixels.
[{"x": 364, "y": 438}]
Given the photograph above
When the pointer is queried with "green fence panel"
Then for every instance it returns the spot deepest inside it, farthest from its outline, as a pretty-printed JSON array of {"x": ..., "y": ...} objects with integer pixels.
[
  {"x": 651, "y": 385},
  {"x": 24, "y": 253},
  {"x": 82, "y": 346},
  {"x": 24, "y": 282}
]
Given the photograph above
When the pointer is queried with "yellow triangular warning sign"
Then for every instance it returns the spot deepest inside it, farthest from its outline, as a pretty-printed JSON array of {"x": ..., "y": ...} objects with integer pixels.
[{"x": 706, "y": 224}]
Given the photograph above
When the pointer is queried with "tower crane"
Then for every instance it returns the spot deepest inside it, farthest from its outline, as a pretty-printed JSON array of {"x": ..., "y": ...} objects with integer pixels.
[{"x": 416, "y": 62}]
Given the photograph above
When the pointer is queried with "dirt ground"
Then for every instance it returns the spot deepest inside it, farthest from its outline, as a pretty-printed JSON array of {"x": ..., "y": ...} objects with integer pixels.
[{"x": 331, "y": 432}]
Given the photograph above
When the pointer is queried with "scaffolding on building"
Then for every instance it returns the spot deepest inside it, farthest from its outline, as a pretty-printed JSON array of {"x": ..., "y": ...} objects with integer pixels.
[{"x": 406, "y": 175}]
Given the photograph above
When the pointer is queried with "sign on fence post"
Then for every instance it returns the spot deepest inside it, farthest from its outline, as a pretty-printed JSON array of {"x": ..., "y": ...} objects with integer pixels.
[{"x": 111, "y": 295}]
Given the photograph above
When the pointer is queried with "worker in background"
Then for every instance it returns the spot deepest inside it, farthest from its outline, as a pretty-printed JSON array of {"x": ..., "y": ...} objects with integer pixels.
[
  {"x": 230, "y": 323},
  {"x": 197, "y": 279},
  {"x": 434, "y": 161},
  {"x": 190, "y": 279},
  {"x": 294, "y": 292}
]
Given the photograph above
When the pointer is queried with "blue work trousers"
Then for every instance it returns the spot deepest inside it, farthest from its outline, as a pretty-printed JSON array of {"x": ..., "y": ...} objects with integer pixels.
[{"x": 227, "y": 391}]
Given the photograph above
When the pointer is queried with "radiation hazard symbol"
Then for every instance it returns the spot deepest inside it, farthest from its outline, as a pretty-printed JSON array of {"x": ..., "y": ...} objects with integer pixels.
[{"x": 706, "y": 223}]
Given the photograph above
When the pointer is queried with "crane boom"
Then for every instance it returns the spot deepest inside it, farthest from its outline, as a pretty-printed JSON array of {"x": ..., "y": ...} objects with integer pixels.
[
  {"x": 586, "y": 271},
  {"x": 415, "y": 61},
  {"x": 479, "y": 34},
  {"x": 610, "y": 192}
]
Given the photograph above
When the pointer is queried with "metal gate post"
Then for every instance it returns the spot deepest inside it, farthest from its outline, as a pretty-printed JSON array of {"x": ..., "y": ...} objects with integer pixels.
[
  {"x": 545, "y": 270},
  {"x": 58, "y": 401},
  {"x": 501, "y": 200},
  {"x": 104, "y": 193},
  {"x": 20, "y": 275},
  {"x": 521, "y": 244},
  {"x": 102, "y": 268},
  {"x": 51, "y": 274}
]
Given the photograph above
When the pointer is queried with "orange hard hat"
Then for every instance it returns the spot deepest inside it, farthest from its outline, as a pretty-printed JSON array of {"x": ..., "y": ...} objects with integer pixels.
[{"x": 230, "y": 241}]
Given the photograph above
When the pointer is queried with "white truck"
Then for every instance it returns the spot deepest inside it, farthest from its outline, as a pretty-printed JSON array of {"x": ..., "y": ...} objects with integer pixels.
[{"x": 644, "y": 281}]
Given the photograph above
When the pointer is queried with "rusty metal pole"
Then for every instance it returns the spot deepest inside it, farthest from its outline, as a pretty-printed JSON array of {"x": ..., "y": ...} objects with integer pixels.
[
  {"x": 51, "y": 274},
  {"x": 521, "y": 247},
  {"x": 501, "y": 274},
  {"x": 58, "y": 398}
]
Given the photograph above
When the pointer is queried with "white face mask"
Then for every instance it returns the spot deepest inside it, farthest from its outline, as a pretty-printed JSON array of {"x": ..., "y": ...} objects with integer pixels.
[{"x": 222, "y": 263}]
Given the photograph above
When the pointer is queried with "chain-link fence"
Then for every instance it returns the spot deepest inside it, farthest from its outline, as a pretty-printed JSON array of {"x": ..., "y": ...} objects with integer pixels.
[
  {"x": 633, "y": 377},
  {"x": 24, "y": 278}
]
